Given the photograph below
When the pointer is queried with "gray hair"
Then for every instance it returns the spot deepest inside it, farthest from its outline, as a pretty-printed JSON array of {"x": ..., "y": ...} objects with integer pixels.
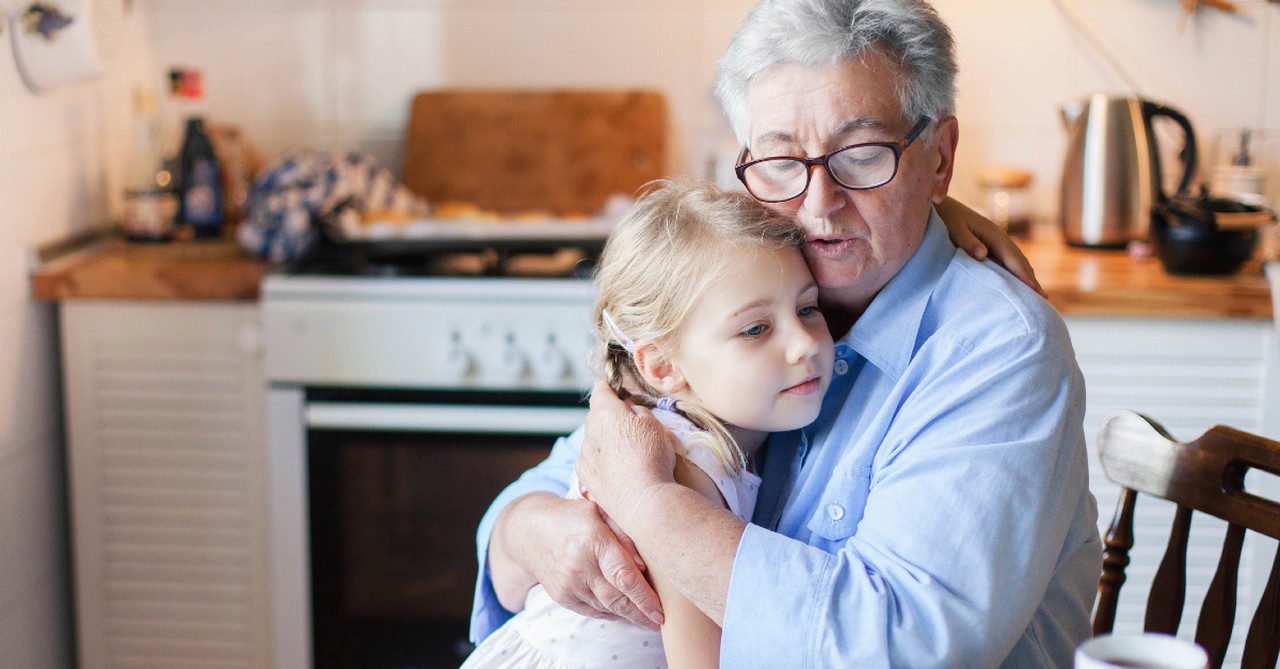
[{"x": 826, "y": 32}]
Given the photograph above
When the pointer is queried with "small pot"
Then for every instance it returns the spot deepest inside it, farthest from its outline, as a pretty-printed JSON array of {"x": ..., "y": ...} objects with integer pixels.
[{"x": 1204, "y": 235}]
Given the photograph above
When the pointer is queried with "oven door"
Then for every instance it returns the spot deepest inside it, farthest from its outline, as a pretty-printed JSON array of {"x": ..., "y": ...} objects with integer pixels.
[{"x": 397, "y": 484}]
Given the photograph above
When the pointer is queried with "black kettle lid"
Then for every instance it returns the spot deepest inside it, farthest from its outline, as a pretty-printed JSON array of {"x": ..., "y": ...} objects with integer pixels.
[{"x": 1201, "y": 209}]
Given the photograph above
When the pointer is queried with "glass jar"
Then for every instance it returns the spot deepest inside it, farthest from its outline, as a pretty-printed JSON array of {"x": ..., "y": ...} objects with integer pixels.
[{"x": 1006, "y": 197}]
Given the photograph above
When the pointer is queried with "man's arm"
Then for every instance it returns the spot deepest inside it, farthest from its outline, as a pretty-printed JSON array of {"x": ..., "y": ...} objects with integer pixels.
[
  {"x": 691, "y": 536},
  {"x": 532, "y": 534},
  {"x": 550, "y": 477},
  {"x": 974, "y": 493}
]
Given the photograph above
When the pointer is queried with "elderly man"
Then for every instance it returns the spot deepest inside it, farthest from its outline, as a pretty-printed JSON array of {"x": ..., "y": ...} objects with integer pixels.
[{"x": 937, "y": 513}]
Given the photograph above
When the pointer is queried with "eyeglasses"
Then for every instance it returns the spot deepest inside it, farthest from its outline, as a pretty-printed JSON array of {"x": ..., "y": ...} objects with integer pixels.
[{"x": 855, "y": 167}]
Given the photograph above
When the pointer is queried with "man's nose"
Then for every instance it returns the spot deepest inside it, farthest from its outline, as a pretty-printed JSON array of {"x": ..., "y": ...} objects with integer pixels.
[{"x": 824, "y": 195}]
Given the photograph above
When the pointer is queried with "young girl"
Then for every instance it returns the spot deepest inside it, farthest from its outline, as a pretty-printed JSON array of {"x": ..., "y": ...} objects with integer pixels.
[{"x": 707, "y": 314}]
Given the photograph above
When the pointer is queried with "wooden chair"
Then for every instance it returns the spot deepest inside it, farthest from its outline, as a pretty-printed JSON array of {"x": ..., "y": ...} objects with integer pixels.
[{"x": 1204, "y": 475}]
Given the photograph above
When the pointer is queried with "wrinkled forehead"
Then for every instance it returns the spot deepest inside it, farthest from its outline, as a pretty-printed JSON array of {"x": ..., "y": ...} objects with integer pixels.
[{"x": 807, "y": 104}]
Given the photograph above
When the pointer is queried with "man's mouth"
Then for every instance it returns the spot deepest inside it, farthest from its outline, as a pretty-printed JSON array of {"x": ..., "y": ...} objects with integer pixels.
[{"x": 828, "y": 247}]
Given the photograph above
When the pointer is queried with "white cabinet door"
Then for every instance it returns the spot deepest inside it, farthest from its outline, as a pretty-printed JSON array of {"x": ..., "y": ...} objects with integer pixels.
[
  {"x": 1189, "y": 375},
  {"x": 166, "y": 450}
]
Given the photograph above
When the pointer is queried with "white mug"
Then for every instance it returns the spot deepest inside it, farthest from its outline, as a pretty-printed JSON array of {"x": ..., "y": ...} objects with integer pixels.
[{"x": 1148, "y": 651}]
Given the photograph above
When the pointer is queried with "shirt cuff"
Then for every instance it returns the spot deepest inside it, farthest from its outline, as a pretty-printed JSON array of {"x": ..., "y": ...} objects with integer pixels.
[
  {"x": 487, "y": 615},
  {"x": 777, "y": 588},
  {"x": 551, "y": 476}
]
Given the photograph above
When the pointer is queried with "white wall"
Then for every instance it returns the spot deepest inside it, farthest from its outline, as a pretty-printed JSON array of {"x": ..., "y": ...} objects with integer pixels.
[
  {"x": 1020, "y": 59},
  {"x": 340, "y": 73},
  {"x": 59, "y": 172}
]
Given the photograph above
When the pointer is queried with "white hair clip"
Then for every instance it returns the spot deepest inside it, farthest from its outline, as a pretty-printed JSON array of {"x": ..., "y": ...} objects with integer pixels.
[{"x": 618, "y": 334}]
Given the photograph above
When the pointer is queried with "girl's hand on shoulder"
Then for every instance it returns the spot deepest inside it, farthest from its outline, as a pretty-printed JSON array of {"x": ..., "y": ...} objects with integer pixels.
[{"x": 980, "y": 237}]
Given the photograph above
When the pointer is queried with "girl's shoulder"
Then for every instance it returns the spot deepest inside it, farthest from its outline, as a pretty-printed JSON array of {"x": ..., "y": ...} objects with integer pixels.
[
  {"x": 700, "y": 469},
  {"x": 676, "y": 424}
]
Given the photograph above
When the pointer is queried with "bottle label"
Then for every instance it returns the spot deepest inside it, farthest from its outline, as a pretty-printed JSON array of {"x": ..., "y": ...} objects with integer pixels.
[{"x": 200, "y": 199}]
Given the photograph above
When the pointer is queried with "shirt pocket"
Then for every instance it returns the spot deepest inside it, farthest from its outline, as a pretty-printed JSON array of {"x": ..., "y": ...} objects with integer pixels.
[{"x": 842, "y": 504}]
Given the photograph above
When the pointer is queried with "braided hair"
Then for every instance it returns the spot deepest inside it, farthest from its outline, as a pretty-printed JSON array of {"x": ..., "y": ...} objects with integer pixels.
[{"x": 656, "y": 264}]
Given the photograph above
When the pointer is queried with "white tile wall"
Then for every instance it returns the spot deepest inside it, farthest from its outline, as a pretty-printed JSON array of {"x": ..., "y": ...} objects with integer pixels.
[
  {"x": 1021, "y": 61},
  {"x": 340, "y": 73},
  {"x": 61, "y": 153},
  {"x": 1271, "y": 107}
]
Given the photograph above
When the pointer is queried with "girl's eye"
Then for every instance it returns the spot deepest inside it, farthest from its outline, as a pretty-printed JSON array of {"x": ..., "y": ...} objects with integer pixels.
[
  {"x": 805, "y": 312},
  {"x": 754, "y": 331}
]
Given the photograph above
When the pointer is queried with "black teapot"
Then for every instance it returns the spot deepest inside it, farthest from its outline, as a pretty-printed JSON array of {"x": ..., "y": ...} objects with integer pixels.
[{"x": 1205, "y": 235}]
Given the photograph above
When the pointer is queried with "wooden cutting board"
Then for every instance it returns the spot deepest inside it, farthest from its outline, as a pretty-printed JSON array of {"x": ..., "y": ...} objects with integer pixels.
[{"x": 510, "y": 151}]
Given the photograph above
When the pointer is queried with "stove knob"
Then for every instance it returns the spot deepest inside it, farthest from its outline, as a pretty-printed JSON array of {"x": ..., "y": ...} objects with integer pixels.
[
  {"x": 550, "y": 366},
  {"x": 456, "y": 363},
  {"x": 510, "y": 366}
]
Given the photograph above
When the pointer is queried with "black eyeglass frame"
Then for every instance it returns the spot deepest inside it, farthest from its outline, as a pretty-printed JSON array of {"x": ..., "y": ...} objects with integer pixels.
[{"x": 824, "y": 160}]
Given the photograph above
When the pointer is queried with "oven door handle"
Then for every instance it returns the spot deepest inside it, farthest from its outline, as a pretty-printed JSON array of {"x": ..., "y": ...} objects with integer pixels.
[{"x": 491, "y": 419}]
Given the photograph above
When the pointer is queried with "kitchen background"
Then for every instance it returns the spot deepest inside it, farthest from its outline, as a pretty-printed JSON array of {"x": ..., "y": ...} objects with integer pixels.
[{"x": 339, "y": 74}]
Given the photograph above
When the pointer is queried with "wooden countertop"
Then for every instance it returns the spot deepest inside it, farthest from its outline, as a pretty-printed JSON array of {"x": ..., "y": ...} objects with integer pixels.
[
  {"x": 1106, "y": 282},
  {"x": 1080, "y": 282},
  {"x": 180, "y": 270}
]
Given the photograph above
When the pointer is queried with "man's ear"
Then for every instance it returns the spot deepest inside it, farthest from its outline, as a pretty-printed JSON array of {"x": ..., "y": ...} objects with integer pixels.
[
  {"x": 945, "y": 138},
  {"x": 658, "y": 370}
]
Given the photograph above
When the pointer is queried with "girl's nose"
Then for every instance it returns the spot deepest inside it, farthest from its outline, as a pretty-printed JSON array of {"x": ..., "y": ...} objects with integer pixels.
[{"x": 802, "y": 345}]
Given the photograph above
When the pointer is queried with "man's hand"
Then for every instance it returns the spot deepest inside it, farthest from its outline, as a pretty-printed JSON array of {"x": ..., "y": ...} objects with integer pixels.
[
  {"x": 625, "y": 453},
  {"x": 979, "y": 237},
  {"x": 570, "y": 548}
]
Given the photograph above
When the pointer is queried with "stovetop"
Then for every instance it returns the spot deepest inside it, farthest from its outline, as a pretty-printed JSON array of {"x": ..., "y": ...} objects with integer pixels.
[{"x": 396, "y": 260}]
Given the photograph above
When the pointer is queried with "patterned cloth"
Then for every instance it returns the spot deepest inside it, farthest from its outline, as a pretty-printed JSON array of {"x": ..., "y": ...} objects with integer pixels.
[{"x": 305, "y": 190}]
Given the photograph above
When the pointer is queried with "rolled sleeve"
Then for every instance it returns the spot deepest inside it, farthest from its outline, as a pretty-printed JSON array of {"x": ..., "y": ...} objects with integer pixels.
[{"x": 551, "y": 476}]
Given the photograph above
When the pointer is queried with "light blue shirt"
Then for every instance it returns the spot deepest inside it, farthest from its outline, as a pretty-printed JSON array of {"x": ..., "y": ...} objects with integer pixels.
[{"x": 937, "y": 514}]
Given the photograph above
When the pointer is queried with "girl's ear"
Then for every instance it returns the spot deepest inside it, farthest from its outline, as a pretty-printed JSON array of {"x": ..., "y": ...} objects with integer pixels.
[{"x": 658, "y": 370}]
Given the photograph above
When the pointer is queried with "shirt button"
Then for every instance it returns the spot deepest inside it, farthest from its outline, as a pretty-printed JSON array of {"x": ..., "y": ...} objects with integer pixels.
[
  {"x": 842, "y": 367},
  {"x": 835, "y": 512}
]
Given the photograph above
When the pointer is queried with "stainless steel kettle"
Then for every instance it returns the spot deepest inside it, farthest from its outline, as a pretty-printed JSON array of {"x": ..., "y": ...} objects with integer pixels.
[{"x": 1111, "y": 174}]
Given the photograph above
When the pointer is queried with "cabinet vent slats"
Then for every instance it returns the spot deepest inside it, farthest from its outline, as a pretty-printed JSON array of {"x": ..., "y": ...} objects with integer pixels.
[
  {"x": 172, "y": 438},
  {"x": 136, "y": 661},
  {"x": 1164, "y": 368},
  {"x": 170, "y": 499},
  {"x": 196, "y": 613}
]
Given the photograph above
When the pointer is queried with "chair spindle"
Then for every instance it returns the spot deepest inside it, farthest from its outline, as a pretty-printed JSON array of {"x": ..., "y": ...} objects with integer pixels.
[
  {"x": 1262, "y": 646},
  {"x": 1115, "y": 557},
  {"x": 1218, "y": 614},
  {"x": 1169, "y": 587}
]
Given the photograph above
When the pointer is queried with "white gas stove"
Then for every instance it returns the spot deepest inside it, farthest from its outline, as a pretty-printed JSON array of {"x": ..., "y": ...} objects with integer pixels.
[{"x": 398, "y": 407}]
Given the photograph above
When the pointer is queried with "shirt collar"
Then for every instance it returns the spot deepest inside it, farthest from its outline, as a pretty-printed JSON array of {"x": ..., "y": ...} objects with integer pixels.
[{"x": 885, "y": 334}]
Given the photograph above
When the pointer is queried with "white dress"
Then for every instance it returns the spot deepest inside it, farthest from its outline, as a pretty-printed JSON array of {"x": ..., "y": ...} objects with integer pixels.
[{"x": 546, "y": 635}]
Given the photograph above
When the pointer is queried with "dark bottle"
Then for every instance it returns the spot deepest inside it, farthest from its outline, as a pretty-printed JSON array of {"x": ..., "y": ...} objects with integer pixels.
[
  {"x": 200, "y": 205},
  {"x": 199, "y": 172}
]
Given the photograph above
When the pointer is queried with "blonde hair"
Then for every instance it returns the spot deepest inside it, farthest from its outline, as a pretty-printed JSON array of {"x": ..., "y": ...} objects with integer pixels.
[{"x": 659, "y": 259}]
